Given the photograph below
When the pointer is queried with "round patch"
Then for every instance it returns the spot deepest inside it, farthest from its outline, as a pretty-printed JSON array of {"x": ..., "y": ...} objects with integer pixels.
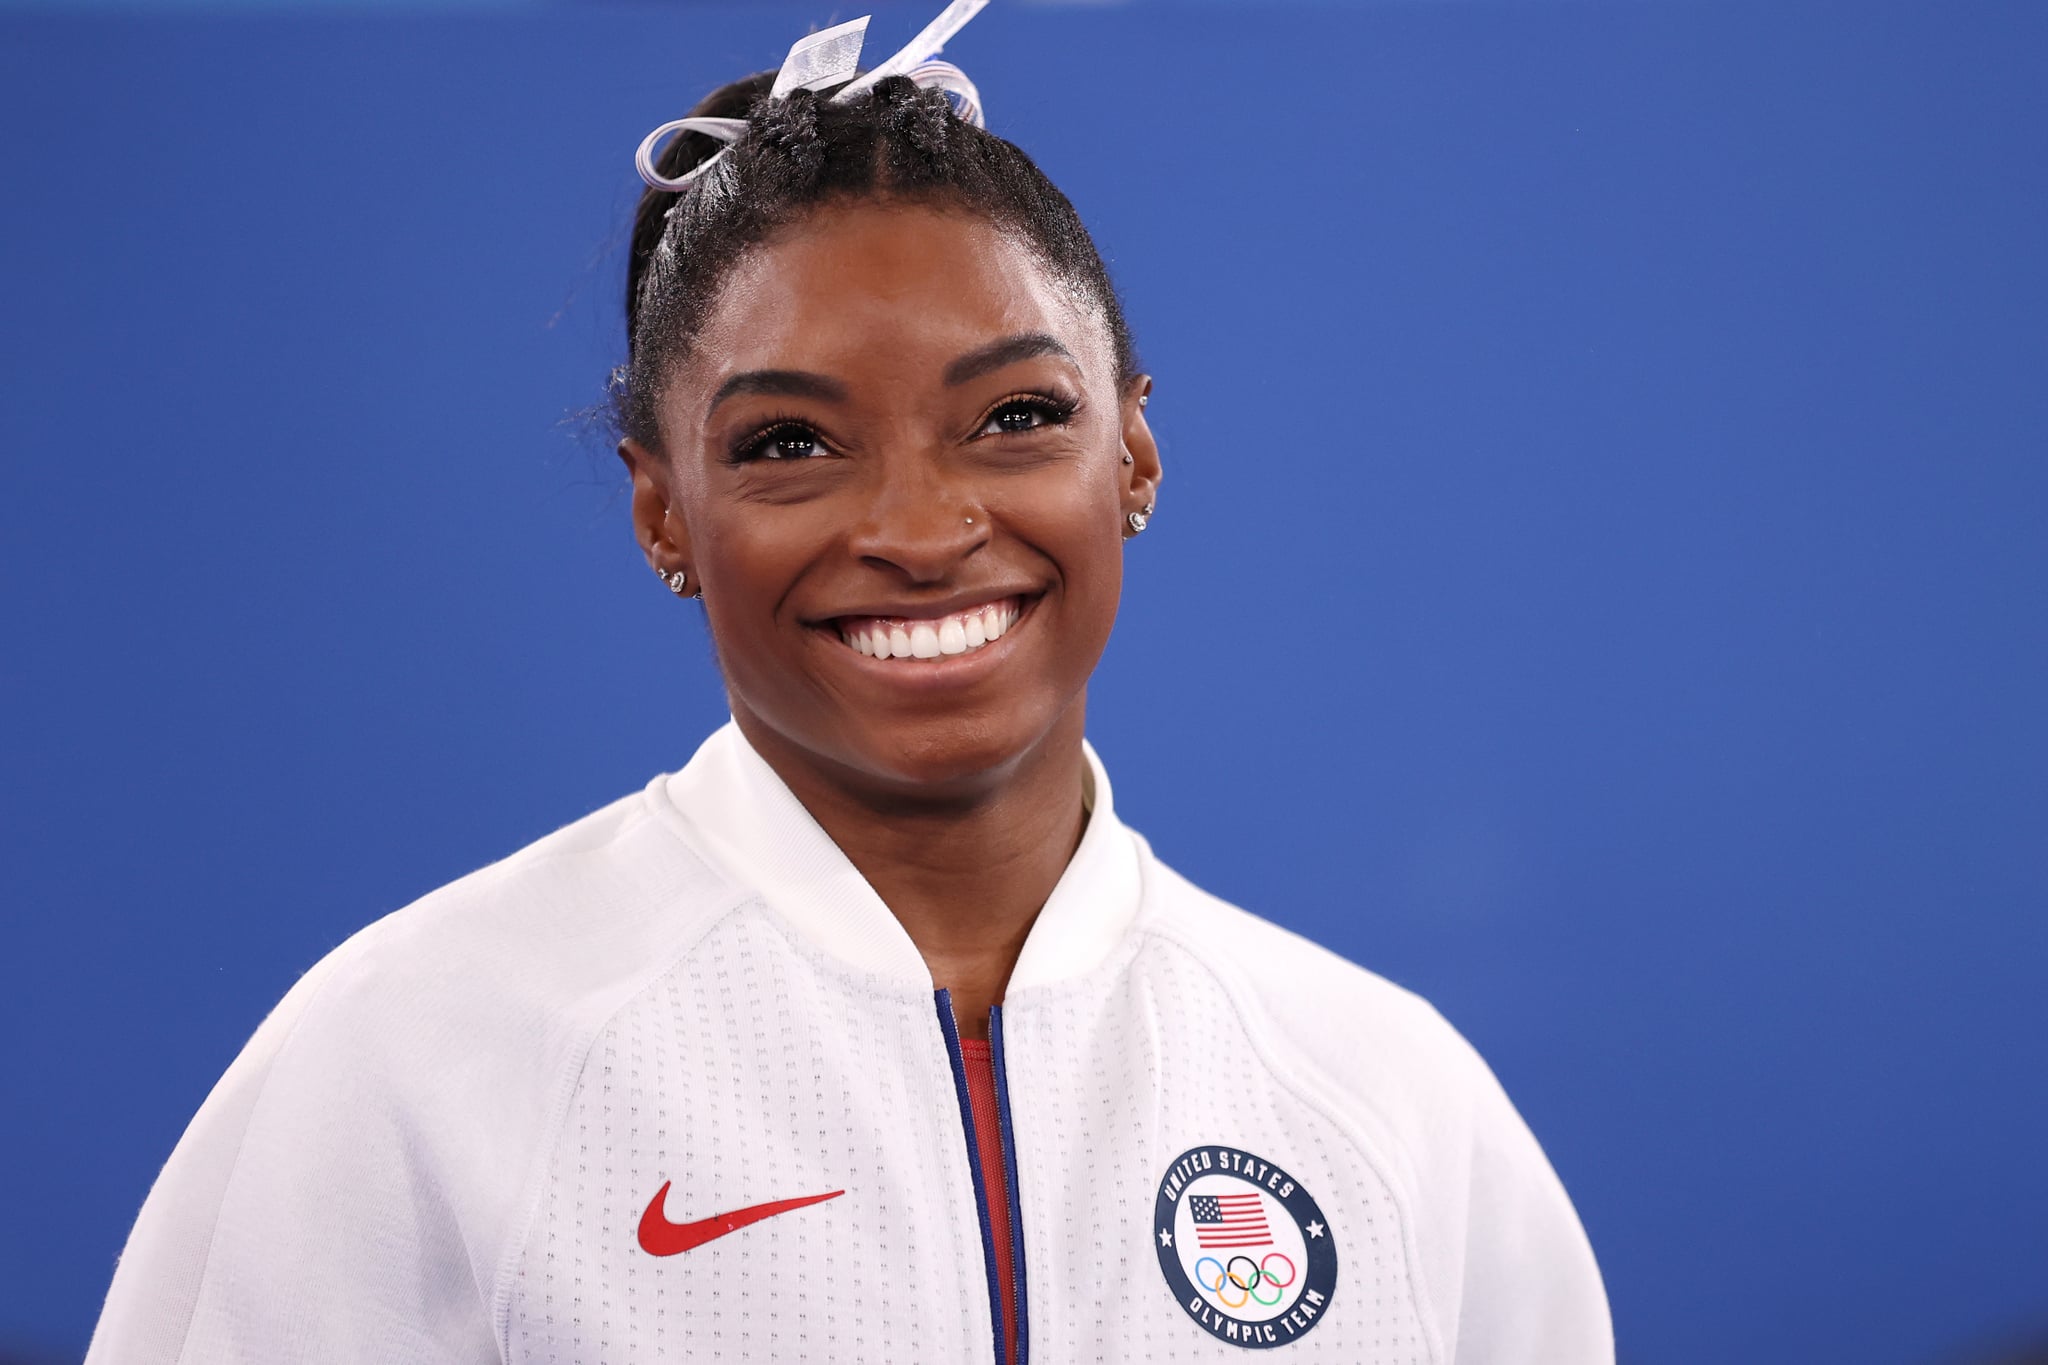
[{"x": 1243, "y": 1247}]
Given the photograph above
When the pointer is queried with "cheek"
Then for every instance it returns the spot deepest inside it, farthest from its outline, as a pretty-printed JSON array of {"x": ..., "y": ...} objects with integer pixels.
[
  {"x": 754, "y": 551},
  {"x": 1075, "y": 521},
  {"x": 746, "y": 564}
]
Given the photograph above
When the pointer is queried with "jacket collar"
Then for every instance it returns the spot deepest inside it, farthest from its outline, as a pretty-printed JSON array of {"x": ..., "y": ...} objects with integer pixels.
[{"x": 755, "y": 832}]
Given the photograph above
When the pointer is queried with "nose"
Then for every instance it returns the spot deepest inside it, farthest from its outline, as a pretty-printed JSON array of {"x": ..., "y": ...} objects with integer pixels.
[{"x": 918, "y": 520}]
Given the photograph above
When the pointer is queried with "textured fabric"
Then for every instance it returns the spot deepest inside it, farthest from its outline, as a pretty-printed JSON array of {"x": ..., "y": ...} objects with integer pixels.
[
  {"x": 451, "y": 1139},
  {"x": 995, "y": 1180}
]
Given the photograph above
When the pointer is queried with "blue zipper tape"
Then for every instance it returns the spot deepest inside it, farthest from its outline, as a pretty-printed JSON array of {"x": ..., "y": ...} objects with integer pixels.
[
  {"x": 1009, "y": 1131},
  {"x": 951, "y": 1028}
]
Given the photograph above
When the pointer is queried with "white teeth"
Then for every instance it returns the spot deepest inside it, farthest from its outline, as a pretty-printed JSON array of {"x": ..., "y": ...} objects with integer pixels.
[{"x": 961, "y": 633}]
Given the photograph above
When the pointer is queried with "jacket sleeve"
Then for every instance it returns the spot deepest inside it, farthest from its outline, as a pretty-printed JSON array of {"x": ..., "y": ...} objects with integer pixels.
[
  {"x": 299, "y": 1218},
  {"x": 1530, "y": 1291}
]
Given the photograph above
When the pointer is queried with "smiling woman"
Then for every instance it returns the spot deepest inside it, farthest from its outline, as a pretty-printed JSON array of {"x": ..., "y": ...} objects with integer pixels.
[{"x": 879, "y": 969}]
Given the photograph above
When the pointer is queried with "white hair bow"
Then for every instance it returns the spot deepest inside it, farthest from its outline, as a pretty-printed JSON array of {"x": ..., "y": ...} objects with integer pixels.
[{"x": 824, "y": 59}]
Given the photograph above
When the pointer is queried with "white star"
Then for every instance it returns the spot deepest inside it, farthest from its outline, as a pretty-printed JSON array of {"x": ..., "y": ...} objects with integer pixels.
[
  {"x": 1315, "y": 1229},
  {"x": 1165, "y": 1238}
]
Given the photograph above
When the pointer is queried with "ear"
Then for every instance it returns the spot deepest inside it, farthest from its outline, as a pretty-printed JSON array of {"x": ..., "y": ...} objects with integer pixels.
[
  {"x": 657, "y": 522},
  {"x": 1140, "y": 470}
]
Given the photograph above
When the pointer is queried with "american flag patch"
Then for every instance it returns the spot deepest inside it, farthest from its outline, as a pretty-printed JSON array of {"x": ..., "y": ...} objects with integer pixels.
[{"x": 1230, "y": 1220}]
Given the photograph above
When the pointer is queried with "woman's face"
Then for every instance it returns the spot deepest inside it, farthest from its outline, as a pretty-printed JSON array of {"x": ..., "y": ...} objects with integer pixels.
[{"x": 897, "y": 435}]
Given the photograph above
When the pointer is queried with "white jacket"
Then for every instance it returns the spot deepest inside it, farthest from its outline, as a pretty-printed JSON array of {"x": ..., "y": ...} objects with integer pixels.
[{"x": 465, "y": 1133}]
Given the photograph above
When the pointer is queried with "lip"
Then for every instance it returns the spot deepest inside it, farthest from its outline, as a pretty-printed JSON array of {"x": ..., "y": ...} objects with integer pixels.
[
  {"x": 916, "y": 675},
  {"x": 932, "y": 609}
]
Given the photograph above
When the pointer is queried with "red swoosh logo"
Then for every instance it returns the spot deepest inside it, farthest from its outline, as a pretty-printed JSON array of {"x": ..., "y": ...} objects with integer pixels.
[{"x": 659, "y": 1237}]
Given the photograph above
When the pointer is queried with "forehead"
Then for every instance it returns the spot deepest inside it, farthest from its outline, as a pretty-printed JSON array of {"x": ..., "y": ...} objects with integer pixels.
[{"x": 886, "y": 291}]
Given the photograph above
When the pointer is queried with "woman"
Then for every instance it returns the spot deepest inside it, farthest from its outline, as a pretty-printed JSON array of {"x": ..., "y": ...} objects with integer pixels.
[{"x": 871, "y": 1034}]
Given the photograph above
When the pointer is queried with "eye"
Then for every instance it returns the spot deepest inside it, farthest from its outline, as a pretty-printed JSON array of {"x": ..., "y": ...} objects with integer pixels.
[
  {"x": 1026, "y": 414},
  {"x": 784, "y": 441}
]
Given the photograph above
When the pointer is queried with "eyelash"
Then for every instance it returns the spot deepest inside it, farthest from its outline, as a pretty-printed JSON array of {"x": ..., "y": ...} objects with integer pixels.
[
  {"x": 1056, "y": 410},
  {"x": 749, "y": 448}
]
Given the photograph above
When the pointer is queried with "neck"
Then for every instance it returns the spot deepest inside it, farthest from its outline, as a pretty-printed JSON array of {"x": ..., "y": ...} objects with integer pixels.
[{"x": 965, "y": 874}]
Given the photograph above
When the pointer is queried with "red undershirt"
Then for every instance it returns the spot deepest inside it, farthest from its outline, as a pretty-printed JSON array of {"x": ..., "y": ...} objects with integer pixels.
[{"x": 988, "y": 1142}]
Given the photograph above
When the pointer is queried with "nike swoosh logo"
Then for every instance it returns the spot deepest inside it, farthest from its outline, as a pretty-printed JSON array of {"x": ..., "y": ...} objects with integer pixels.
[{"x": 659, "y": 1237}]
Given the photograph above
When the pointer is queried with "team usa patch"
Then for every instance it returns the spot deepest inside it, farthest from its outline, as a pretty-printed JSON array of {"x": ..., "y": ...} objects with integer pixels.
[{"x": 1243, "y": 1247}]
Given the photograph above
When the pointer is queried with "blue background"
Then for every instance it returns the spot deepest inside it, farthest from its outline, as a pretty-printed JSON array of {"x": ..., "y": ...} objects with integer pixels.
[{"x": 1598, "y": 580}]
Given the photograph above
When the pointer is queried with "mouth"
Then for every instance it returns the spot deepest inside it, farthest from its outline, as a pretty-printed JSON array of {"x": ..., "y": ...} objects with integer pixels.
[{"x": 915, "y": 640}]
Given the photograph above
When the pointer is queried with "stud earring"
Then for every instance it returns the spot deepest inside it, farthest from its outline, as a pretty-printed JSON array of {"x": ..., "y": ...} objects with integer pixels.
[
  {"x": 674, "y": 580},
  {"x": 1137, "y": 521},
  {"x": 1144, "y": 400},
  {"x": 1146, "y": 509},
  {"x": 1127, "y": 457}
]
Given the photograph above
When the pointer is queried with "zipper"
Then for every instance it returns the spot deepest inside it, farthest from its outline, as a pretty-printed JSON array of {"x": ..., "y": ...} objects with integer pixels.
[
  {"x": 1009, "y": 1135},
  {"x": 949, "y": 1025}
]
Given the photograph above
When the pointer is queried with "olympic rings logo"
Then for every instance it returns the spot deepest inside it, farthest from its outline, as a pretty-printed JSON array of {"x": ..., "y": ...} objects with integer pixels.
[{"x": 1245, "y": 1282}]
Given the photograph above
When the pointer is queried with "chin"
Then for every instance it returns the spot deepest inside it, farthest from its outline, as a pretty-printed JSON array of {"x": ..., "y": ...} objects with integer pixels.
[
  {"x": 946, "y": 756},
  {"x": 942, "y": 753}
]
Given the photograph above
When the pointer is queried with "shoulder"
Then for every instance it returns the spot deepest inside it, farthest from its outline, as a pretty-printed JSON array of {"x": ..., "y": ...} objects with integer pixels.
[
  {"x": 557, "y": 924},
  {"x": 470, "y": 1011},
  {"x": 423, "y": 1066},
  {"x": 1496, "y": 1238},
  {"x": 463, "y": 1021},
  {"x": 555, "y": 931},
  {"x": 495, "y": 983},
  {"x": 1368, "y": 1043}
]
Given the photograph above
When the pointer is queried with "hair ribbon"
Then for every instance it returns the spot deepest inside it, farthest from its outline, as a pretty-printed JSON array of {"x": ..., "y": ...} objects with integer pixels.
[{"x": 830, "y": 57}]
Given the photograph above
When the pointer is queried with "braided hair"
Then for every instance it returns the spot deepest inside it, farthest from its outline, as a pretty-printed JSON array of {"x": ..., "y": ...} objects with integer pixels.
[{"x": 896, "y": 140}]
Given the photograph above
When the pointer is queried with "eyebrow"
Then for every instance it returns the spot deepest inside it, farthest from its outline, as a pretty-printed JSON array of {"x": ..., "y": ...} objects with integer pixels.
[
  {"x": 785, "y": 383},
  {"x": 1008, "y": 351},
  {"x": 805, "y": 384}
]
